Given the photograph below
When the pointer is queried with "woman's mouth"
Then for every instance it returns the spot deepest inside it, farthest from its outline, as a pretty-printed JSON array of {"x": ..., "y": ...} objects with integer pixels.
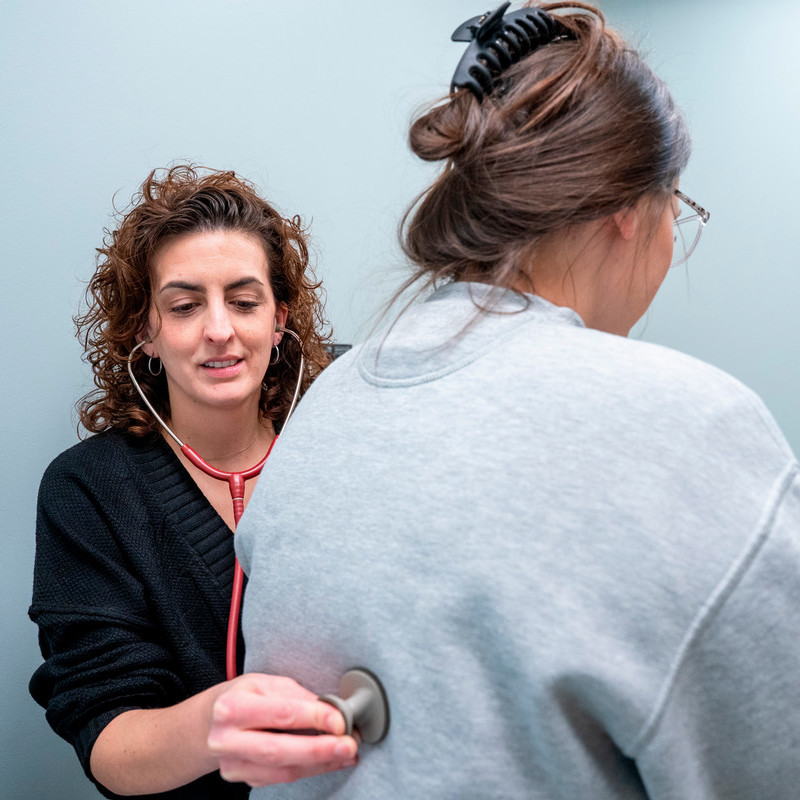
[{"x": 223, "y": 368}]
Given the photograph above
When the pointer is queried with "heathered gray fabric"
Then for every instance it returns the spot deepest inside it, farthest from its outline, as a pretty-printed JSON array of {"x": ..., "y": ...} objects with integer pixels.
[{"x": 572, "y": 558}]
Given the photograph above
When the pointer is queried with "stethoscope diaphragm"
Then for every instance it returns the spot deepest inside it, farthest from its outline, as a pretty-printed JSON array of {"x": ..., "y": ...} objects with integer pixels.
[{"x": 362, "y": 701}]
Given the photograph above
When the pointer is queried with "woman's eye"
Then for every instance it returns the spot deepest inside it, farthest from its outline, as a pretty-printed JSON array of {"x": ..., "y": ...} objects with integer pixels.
[
  {"x": 183, "y": 308},
  {"x": 246, "y": 305}
]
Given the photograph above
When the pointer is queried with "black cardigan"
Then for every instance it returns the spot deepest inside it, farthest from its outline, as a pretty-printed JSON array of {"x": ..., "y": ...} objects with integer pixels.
[{"x": 132, "y": 587}]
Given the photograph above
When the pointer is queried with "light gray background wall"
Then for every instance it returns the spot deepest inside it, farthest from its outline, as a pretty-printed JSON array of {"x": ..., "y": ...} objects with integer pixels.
[{"x": 311, "y": 99}]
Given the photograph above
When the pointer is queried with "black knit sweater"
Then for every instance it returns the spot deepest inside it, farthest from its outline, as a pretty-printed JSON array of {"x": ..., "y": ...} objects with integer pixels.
[{"x": 132, "y": 586}]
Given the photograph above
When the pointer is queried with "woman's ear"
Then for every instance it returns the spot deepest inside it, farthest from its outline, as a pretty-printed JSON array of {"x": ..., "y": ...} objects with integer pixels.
[
  {"x": 148, "y": 348},
  {"x": 627, "y": 222},
  {"x": 281, "y": 315}
]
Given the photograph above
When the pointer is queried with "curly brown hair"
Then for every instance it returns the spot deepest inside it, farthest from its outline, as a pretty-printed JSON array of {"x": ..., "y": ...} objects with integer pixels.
[{"x": 179, "y": 200}]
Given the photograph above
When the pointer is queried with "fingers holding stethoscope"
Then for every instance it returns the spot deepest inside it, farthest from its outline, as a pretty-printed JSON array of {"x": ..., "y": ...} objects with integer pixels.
[{"x": 254, "y": 732}]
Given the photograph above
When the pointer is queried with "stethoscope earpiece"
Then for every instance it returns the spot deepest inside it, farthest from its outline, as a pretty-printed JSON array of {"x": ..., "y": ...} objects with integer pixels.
[{"x": 363, "y": 703}]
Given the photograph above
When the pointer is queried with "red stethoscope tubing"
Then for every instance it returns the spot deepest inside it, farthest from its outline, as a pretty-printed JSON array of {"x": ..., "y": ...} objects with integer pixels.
[{"x": 236, "y": 483}]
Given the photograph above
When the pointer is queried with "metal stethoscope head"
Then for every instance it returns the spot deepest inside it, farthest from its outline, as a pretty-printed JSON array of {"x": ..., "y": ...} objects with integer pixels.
[{"x": 363, "y": 704}]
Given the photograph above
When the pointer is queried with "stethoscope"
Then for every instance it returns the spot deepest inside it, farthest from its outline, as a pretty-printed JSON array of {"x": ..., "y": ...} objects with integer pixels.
[
  {"x": 361, "y": 700},
  {"x": 236, "y": 482}
]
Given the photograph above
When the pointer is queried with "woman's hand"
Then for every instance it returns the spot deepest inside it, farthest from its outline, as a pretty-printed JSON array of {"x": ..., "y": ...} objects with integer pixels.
[
  {"x": 252, "y": 721},
  {"x": 234, "y": 727}
]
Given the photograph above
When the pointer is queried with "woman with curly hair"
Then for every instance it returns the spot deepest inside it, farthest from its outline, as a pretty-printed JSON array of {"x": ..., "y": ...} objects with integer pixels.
[{"x": 134, "y": 559}]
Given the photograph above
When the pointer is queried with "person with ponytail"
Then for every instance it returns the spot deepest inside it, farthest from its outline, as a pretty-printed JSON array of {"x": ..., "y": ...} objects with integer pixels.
[{"x": 573, "y": 558}]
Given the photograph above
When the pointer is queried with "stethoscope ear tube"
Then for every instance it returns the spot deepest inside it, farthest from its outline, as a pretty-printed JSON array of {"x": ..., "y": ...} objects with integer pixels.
[
  {"x": 144, "y": 396},
  {"x": 299, "y": 383},
  {"x": 197, "y": 460}
]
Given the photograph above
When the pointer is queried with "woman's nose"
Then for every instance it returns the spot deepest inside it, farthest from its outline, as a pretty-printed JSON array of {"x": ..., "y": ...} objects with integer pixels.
[{"x": 218, "y": 327}]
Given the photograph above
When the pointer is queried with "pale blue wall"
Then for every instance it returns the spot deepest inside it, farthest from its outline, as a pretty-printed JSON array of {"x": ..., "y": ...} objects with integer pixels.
[{"x": 95, "y": 94}]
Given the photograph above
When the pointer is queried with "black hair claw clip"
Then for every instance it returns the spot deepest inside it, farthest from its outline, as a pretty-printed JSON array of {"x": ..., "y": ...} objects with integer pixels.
[{"x": 496, "y": 41}]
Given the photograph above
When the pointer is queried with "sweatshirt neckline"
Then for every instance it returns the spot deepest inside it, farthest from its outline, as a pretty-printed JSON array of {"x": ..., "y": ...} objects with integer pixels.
[
  {"x": 497, "y": 299},
  {"x": 453, "y": 327}
]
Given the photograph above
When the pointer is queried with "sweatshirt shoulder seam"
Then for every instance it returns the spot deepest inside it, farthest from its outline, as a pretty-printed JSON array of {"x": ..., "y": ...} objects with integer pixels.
[{"x": 716, "y": 600}]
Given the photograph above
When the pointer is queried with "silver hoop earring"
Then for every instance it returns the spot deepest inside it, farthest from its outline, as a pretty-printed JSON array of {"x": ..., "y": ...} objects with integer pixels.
[
  {"x": 277, "y": 357},
  {"x": 150, "y": 369}
]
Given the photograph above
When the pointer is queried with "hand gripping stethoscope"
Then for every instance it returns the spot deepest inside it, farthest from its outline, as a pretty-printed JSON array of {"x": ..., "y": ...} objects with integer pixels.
[{"x": 364, "y": 705}]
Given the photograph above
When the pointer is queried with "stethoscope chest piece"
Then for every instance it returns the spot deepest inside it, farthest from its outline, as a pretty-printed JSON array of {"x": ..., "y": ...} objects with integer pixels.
[{"x": 363, "y": 703}]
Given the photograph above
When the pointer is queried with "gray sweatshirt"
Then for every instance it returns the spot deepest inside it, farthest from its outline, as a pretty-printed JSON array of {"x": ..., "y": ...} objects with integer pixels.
[{"x": 572, "y": 558}]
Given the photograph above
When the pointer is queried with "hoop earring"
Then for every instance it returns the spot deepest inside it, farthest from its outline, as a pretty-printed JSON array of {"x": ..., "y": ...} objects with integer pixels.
[
  {"x": 274, "y": 360},
  {"x": 150, "y": 369}
]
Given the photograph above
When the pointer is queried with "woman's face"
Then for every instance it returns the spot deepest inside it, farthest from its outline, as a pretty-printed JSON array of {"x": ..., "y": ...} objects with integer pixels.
[{"x": 212, "y": 320}]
